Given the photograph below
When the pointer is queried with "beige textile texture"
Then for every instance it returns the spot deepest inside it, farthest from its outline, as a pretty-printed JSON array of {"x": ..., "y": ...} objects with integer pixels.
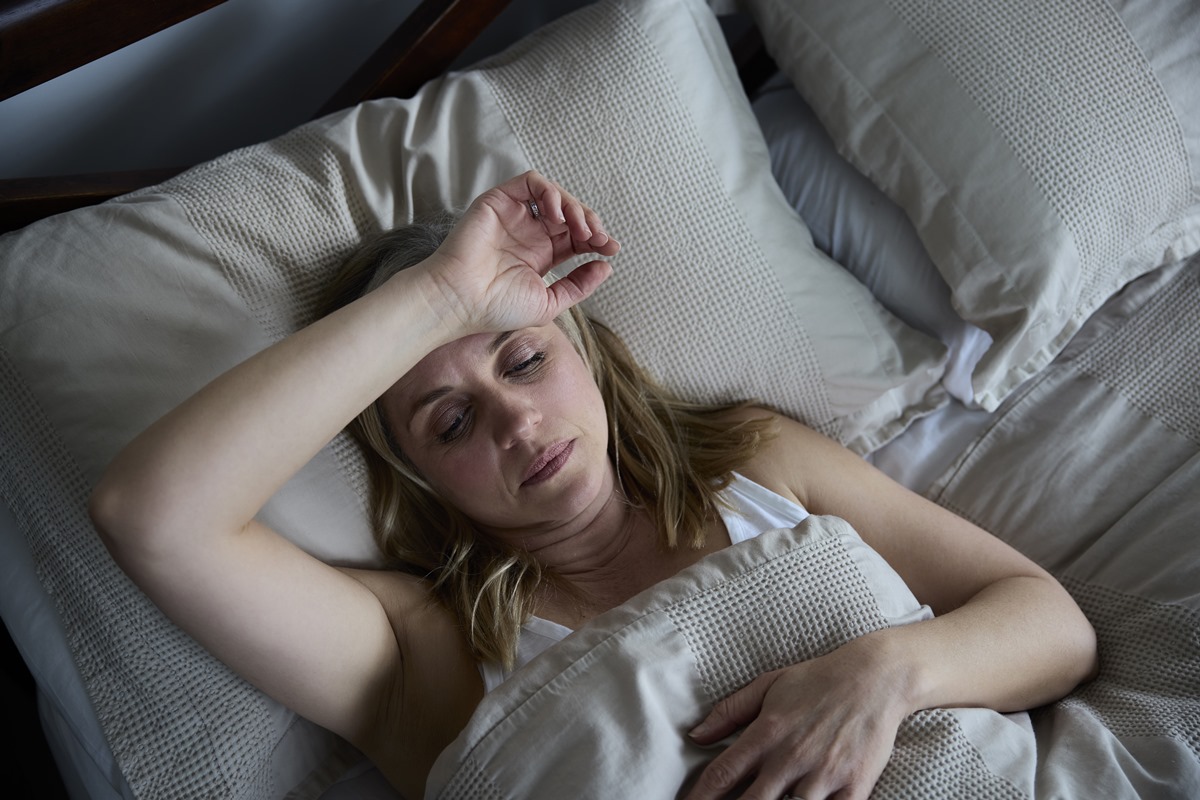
[
  {"x": 1046, "y": 152},
  {"x": 114, "y": 314},
  {"x": 604, "y": 713},
  {"x": 1093, "y": 472}
]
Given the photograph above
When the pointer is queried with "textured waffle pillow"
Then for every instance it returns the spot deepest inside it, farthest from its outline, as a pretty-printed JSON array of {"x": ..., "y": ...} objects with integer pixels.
[
  {"x": 719, "y": 288},
  {"x": 1046, "y": 152},
  {"x": 111, "y": 315},
  {"x": 861, "y": 229}
]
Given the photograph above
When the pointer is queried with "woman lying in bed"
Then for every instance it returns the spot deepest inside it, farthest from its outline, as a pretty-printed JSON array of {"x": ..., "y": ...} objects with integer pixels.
[{"x": 528, "y": 468}]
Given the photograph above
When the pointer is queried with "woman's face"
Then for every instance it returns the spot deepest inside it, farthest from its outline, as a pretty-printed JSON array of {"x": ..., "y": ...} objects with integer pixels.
[{"x": 508, "y": 428}]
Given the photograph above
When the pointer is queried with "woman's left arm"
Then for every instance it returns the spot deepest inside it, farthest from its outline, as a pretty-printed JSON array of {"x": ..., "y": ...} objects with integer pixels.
[{"x": 1006, "y": 636}]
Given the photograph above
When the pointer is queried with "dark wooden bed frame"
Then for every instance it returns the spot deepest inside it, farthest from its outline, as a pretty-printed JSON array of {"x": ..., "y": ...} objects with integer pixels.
[{"x": 42, "y": 39}]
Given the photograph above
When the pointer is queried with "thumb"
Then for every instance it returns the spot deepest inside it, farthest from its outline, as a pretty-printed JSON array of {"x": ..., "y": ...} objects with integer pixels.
[
  {"x": 735, "y": 711},
  {"x": 579, "y": 284}
]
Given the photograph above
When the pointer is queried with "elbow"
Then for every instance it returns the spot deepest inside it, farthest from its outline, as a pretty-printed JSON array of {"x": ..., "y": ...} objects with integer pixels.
[
  {"x": 122, "y": 517},
  {"x": 1078, "y": 644},
  {"x": 106, "y": 510},
  {"x": 1089, "y": 650}
]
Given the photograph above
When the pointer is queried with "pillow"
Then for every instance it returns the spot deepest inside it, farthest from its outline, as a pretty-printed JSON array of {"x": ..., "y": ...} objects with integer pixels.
[
  {"x": 1046, "y": 153},
  {"x": 860, "y": 228},
  {"x": 718, "y": 289},
  {"x": 113, "y": 314}
]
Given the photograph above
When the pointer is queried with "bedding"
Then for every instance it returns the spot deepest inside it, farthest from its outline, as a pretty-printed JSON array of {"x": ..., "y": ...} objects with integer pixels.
[
  {"x": 856, "y": 224},
  {"x": 113, "y": 314},
  {"x": 603, "y": 713},
  {"x": 1076, "y": 440},
  {"x": 1133, "y": 732},
  {"x": 1045, "y": 152}
]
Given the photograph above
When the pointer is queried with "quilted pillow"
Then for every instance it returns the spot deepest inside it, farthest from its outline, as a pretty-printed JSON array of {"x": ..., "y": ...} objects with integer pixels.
[
  {"x": 1046, "y": 152},
  {"x": 856, "y": 224}
]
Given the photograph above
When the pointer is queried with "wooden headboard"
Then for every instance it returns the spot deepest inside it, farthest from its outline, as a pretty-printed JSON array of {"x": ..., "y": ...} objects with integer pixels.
[{"x": 42, "y": 39}]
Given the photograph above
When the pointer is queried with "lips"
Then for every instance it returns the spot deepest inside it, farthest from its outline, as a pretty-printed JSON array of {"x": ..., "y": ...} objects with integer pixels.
[{"x": 548, "y": 462}]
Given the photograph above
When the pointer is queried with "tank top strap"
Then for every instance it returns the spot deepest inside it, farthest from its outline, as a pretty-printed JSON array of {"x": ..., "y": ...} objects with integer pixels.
[{"x": 754, "y": 508}]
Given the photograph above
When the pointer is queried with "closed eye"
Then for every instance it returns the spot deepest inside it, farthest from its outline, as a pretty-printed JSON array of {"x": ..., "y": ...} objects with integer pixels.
[
  {"x": 527, "y": 366},
  {"x": 453, "y": 424}
]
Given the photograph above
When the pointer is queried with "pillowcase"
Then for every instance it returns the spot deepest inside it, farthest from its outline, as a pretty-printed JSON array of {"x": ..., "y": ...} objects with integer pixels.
[
  {"x": 114, "y": 314},
  {"x": 719, "y": 289},
  {"x": 1046, "y": 153},
  {"x": 860, "y": 228}
]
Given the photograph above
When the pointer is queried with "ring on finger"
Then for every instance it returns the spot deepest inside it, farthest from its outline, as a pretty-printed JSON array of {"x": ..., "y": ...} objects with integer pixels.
[{"x": 533, "y": 209}]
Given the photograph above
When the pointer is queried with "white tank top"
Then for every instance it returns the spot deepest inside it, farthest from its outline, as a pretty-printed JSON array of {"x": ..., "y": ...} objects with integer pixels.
[{"x": 752, "y": 510}]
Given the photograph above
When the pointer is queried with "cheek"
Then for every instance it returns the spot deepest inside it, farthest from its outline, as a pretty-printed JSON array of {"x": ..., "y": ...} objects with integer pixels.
[
  {"x": 586, "y": 400},
  {"x": 460, "y": 475},
  {"x": 471, "y": 471}
]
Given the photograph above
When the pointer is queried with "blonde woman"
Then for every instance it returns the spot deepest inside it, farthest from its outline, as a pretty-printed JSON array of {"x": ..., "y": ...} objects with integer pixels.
[{"x": 528, "y": 476}]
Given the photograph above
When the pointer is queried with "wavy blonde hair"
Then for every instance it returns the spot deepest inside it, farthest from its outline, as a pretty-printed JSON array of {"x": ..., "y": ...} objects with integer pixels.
[{"x": 672, "y": 459}]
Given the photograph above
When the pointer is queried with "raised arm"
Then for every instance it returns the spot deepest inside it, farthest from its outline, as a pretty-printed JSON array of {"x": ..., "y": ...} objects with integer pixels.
[
  {"x": 177, "y": 506},
  {"x": 1006, "y": 636}
]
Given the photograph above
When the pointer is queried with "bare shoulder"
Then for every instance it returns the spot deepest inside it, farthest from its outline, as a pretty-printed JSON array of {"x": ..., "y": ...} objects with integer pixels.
[
  {"x": 429, "y": 636},
  {"x": 795, "y": 460},
  {"x": 437, "y": 688}
]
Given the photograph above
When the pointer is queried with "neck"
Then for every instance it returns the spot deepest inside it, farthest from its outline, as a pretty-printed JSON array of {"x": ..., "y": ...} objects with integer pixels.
[
  {"x": 603, "y": 562},
  {"x": 596, "y": 547}
]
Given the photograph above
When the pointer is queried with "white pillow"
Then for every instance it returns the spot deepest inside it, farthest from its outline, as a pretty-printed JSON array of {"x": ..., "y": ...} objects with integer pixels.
[
  {"x": 859, "y": 227},
  {"x": 111, "y": 315},
  {"x": 1046, "y": 152}
]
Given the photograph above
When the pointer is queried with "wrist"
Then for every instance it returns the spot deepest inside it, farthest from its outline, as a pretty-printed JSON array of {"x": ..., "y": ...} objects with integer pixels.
[
  {"x": 898, "y": 668},
  {"x": 428, "y": 303}
]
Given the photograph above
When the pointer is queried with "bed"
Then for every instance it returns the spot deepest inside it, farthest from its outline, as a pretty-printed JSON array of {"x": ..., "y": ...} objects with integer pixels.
[{"x": 964, "y": 241}]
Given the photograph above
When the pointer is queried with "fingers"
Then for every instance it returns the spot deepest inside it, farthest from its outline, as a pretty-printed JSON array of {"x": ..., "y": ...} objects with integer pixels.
[
  {"x": 735, "y": 711},
  {"x": 807, "y": 730},
  {"x": 552, "y": 202},
  {"x": 578, "y": 285},
  {"x": 557, "y": 206},
  {"x": 776, "y": 767}
]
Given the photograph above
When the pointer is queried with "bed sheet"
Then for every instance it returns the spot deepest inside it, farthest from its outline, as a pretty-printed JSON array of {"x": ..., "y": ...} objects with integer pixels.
[
  {"x": 930, "y": 448},
  {"x": 934, "y": 443}
]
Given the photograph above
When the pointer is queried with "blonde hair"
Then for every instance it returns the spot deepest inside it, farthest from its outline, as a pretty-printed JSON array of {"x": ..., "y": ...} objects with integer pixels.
[{"x": 672, "y": 459}]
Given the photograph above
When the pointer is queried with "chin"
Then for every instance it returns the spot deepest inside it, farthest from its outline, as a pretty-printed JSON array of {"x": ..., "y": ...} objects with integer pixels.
[{"x": 575, "y": 493}]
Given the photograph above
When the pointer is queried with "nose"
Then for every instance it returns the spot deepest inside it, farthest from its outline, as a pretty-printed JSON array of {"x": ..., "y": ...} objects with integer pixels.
[{"x": 516, "y": 419}]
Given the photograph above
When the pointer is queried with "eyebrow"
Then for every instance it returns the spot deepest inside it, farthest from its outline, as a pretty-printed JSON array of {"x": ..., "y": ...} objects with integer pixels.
[
  {"x": 433, "y": 396},
  {"x": 499, "y": 341}
]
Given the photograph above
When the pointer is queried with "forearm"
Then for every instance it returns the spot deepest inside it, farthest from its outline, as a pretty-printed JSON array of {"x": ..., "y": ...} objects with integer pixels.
[
  {"x": 211, "y": 463},
  {"x": 209, "y": 466},
  {"x": 1018, "y": 643}
]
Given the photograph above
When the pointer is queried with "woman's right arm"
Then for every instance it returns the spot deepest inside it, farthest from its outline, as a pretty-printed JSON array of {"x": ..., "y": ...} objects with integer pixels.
[{"x": 177, "y": 506}]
